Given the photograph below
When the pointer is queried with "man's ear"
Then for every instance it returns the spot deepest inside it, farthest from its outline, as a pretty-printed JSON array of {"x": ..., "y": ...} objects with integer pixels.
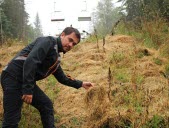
[{"x": 62, "y": 34}]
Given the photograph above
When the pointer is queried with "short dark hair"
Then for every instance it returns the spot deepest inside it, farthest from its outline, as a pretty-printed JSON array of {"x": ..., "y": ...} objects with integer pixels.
[{"x": 69, "y": 30}]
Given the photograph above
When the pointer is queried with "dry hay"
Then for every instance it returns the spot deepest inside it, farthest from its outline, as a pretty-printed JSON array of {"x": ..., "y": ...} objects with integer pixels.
[
  {"x": 144, "y": 51},
  {"x": 88, "y": 63},
  {"x": 99, "y": 110},
  {"x": 112, "y": 121},
  {"x": 150, "y": 73},
  {"x": 121, "y": 38},
  {"x": 97, "y": 104},
  {"x": 155, "y": 84},
  {"x": 91, "y": 55},
  {"x": 147, "y": 68}
]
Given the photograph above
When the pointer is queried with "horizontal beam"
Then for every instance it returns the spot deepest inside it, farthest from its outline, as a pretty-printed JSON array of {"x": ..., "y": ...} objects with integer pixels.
[
  {"x": 57, "y": 19},
  {"x": 84, "y": 18}
]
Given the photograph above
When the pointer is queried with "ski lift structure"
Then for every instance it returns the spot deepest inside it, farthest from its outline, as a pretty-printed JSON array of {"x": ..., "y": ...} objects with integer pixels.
[
  {"x": 84, "y": 16},
  {"x": 57, "y": 15}
]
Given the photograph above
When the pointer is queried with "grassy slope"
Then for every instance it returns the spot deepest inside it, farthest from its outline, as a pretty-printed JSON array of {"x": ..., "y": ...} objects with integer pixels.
[{"x": 133, "y": 94}]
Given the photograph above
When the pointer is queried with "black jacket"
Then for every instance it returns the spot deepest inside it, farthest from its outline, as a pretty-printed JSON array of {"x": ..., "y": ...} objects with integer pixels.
[{"x": 37, "y": 61}]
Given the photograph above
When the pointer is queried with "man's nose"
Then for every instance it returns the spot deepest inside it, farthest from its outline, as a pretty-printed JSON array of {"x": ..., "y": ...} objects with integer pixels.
[{"x": 71, "y": 44}]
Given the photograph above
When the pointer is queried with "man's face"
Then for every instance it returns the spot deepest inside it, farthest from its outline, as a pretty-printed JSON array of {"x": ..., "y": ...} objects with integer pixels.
[{"x": 68, "y": 41}]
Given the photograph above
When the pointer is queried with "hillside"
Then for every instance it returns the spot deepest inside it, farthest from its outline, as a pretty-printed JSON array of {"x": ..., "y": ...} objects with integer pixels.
[{"x": 130, "y": 89}]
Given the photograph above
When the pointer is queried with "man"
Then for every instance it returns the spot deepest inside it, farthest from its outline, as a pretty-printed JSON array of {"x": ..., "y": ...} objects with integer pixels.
[{"x": 35, "y": 62}]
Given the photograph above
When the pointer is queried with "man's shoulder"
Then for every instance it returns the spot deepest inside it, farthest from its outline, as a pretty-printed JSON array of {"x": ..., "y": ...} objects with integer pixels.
[{"x": 49, "y": 39}]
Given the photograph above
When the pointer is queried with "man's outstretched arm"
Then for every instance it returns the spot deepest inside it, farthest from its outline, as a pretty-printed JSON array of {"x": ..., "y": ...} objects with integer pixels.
[{"x": 67, "y": 80}]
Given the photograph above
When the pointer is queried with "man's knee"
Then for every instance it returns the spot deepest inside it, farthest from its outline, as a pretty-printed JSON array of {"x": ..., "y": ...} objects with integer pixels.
[
  {"x": 47, "y": 107},
  {"x": 11, "y": 122},
  {"x": 9, "y": 126}
]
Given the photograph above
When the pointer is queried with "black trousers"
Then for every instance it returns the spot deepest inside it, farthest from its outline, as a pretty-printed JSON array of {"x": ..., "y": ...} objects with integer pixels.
[{"x": 12, "y": 103}]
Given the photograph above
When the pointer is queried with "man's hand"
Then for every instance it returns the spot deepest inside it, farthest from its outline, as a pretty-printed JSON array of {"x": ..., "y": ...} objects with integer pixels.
[
  {"x": 27, "y": 98},
  {"x": 87, "y": 85}
]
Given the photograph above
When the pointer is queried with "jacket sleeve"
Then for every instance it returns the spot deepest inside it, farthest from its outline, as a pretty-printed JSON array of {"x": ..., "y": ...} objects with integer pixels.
[
  {"x": 66, "y": 80},
  {"x": 35, "y": 57}
]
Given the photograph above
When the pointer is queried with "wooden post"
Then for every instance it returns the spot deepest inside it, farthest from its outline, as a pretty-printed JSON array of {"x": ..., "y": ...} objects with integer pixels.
[
  {"x": 95, "y": 31},
  {"x": 103, "y": 43},
  {"x": 109, "y": 81}
]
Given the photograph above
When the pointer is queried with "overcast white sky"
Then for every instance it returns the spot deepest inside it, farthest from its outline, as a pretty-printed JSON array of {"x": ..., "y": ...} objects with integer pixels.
[{"x": 70, "y": 10}]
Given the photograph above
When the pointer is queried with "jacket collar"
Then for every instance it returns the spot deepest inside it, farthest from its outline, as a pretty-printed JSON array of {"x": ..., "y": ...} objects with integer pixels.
[{"x": 60, "y": 47}]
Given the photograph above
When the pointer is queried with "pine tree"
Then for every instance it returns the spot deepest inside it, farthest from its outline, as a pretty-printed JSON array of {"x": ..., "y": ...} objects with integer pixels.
[
  {"x": 105, "y": 16},
  {"x": 14, "y": 11},
  {"x": 38, "y": 27}
]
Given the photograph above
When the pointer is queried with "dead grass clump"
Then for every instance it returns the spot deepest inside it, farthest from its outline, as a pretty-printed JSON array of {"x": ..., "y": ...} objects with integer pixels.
[
  {"x": 94, "y": 95},
  {"x": 155, "y": 84},
  {"x": 87, "y": 63},
  {"x": 99, "y": 110},
  {"x": 97, "y": 56},
  {"x": 150, "y": 73},
  {"x": 164, "y": 49},
  {"x": 157, "y": 121},
  {"x": 97, "y": 103},
  {"x": 115, "y": 121},
  {"x": 121, "y": 38},
  {"x": 147, "y": 65},
  {"x": 140, "y": 52},
  {"x": 119, "y": 122}
]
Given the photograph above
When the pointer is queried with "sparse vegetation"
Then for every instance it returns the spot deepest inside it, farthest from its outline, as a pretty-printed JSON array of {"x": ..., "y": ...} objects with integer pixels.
[
  {"x": 134, "y": 93},
  {"x": 157, "y": 61},
  {"x": 115, "y": 105}
]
